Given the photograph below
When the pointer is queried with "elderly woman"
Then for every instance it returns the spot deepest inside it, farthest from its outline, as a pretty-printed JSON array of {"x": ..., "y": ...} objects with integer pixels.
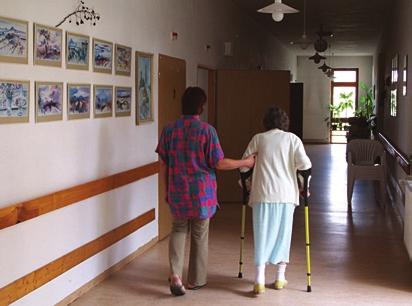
[{"x": 274, "y": 193}]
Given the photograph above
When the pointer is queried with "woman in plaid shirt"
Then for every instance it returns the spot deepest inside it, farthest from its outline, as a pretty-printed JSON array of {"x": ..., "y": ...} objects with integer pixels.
[{"x": 190, "y": 151}]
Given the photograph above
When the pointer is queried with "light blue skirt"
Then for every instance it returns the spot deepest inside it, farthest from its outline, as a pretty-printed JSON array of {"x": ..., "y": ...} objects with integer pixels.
[{"x": 272, "y": 232}]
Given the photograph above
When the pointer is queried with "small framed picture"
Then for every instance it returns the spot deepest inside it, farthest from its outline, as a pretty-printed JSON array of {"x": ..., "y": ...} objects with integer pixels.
[
  {"x": 14, "y": 101},
  {"x": 77, "y": 51},
  {"x": 103, "y": 101},
  {"x": 47, "y": 45},
  {"x": 405, "y": 76},
  {"x": 123, "y": 60},
  {"x": 123, "y": 101},
  {"x": 78, "y": 101},
  {"x": 13, "y": 40},
  {"x": 144, "y": 74},
  {"x": 49, "y": 101},
  {"x": 102, "y": 56}
]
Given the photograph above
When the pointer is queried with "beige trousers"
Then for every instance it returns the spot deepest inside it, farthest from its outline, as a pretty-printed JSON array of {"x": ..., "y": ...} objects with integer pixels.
[{"x": 199, "y": 236}]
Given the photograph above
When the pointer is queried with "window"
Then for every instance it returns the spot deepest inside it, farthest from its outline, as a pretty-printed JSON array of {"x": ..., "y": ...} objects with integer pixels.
[{"x": 344, "y": 101}]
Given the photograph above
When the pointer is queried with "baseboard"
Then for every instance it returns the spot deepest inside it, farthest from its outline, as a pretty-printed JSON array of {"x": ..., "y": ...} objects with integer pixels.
[{"x": 101, "y": 277}]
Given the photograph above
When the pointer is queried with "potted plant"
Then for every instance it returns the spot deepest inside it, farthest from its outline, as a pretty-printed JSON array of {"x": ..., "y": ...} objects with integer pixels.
[
  {"x": 364, "y": 120},
  {"x": 345, "y": 103}
]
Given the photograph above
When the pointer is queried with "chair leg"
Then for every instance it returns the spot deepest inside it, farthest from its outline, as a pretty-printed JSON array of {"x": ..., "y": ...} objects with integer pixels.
[{"x": 351, "y": 182}]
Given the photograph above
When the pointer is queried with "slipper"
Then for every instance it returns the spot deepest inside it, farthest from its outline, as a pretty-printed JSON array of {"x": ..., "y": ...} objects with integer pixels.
[
  {"x": 177, "y": 289},
  {"x": 280, "y": 284},
  {"x": 258, "y": 289},
  {"x": 190, "y": 287}
]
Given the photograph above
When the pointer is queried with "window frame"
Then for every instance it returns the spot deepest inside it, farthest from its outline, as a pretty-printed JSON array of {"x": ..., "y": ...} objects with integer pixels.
[{"x": 345, "y": 84}]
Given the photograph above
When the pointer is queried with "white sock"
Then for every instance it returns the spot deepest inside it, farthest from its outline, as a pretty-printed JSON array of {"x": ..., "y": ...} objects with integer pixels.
[
  {"x": 260, "y": 274},
  {"x": 280, "y": 273}
]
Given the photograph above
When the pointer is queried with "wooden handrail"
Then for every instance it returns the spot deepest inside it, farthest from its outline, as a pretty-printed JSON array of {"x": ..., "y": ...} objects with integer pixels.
[
  {"x": 27, "y": 210},
  {"x": 400, "y": 157},
  {"x": 30, "y": 282}
]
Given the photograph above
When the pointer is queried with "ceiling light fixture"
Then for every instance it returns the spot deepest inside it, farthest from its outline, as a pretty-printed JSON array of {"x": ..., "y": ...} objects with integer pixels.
[
  {"x": 278, "y": 9},
  {"x": 324, "y": 67},
  {"x": 317, "y": 58},
  {"x": 304, "y": 41}
]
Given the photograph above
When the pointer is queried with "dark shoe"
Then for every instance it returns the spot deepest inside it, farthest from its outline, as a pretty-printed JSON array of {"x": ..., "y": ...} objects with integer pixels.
[
  {"x": 190, "y": 287},
  {"x": 177, "y": 289}
]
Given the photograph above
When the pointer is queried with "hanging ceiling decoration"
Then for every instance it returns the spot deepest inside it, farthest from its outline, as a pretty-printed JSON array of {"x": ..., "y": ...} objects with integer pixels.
[
  {"x": 81, "y": 14},
  {"x": 278, "y": 10}
]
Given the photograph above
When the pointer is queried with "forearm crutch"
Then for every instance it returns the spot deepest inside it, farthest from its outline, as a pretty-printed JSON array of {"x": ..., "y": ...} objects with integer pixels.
[
  {"x": 245, "y": 196},
  {"x": 306, "y": 174}
]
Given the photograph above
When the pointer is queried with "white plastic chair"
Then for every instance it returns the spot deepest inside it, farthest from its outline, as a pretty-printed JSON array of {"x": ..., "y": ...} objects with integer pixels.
[{"x": 366, "y": 161}]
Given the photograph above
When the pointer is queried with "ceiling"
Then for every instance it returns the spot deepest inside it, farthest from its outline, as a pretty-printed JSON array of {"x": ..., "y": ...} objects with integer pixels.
[{"x": 356, "y": 24}]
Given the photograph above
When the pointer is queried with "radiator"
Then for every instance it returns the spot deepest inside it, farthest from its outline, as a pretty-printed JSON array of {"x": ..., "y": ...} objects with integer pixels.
[{"x": 407, "y": 234}]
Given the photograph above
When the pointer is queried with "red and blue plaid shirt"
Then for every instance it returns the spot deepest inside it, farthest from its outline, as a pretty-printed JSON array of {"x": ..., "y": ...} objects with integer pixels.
[{"x": 191, "y": 150}]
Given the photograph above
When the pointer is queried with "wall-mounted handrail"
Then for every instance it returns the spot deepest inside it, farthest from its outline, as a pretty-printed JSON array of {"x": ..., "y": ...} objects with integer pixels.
[
  {"x": 27, "y": 210},
  {"x": 400, "y": 157}
]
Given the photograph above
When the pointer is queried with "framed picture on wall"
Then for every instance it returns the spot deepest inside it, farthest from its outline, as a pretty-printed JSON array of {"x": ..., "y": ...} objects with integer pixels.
[
  {"x": 49, "y": 101},
  {"x": 405, "y": 76},
  {"x": 144, "y": 94},
  {"x": 103, "y": 101},
  {"x": 47, "y": 46},
  {"x": 13, "y": 40},
  {"x": 395, "y": 66},
  {"x": 102, "y": 56},
  {"x": 78, "y": 101},
  {"x": 123, "y": 101},
  {"x": 14, "y": 101},
  {"x": 77, "y": 51},
  {"x": 123, "y": 60}
]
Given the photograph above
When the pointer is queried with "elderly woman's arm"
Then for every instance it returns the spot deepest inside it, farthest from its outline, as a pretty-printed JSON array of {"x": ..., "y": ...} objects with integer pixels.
[
  {"x": 302, "y": 161},
  {"x": 230, "y": 164}
]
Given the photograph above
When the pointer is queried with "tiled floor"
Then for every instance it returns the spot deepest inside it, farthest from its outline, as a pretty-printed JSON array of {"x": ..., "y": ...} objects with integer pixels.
[{"x": 358, "y": 257}]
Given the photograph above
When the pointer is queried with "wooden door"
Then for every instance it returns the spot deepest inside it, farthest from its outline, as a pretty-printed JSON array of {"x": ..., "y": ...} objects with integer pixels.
[
  {"x": 242, "y": 98},
  {"x": 296, "y": 109},
  {"x": 172, "y": 84}
]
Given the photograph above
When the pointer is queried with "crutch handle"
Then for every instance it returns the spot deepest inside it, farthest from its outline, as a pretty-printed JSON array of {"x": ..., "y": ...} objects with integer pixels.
[
  {"x": 306, "y": 175},
  {"x": 243, "y": 177}
]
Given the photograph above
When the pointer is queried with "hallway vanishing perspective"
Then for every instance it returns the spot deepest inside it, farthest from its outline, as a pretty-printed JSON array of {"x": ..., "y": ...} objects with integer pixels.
[{"x": 358, "y": 256}]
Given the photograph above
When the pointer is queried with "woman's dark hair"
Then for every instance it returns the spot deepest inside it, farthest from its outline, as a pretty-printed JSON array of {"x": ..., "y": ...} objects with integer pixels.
[
  {"x": 276, "y": 118},
  {"x": 193, "y": 100}
]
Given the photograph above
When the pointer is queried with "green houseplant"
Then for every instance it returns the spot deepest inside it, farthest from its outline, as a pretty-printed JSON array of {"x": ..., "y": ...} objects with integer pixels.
[
  {"x": 345, "y": 103},
  {"x": 363, "y": 122}
]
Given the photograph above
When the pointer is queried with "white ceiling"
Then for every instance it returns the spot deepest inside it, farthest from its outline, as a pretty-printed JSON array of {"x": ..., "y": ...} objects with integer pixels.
[{"x": 356, "y": 24}]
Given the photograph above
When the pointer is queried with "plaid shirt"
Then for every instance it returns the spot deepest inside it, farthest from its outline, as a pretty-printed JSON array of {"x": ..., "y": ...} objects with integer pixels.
[{"x": 191, "y": 150}]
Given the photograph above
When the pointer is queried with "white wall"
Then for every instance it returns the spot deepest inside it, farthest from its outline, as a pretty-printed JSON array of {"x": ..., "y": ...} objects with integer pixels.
[
  {"x": 317, "y": 91},
  {"x": 37, "y": 159}
]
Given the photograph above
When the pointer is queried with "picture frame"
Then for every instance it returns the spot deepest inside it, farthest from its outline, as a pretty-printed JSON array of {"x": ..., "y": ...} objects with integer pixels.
[
  {"x": 123, "y": 99},
  {"x": 103, "y": 101},
  {"x": 405, "y": 76},
  {"x": 393, "y": 103},
  {"x": 102, "y": 56},
  {"x": 394, "y": 70},
  {"x": 47, "y": 45},
  {"x": 78, "y": 101},
  {"x": 144, "y": 88},
  {"x": 77, "y": 51},
  {"x": 123, "y": 60},
  {"x": 49, "y": 101},
  {"x": 14, "y": 101},
  {"x": 14, "y": 36}
]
